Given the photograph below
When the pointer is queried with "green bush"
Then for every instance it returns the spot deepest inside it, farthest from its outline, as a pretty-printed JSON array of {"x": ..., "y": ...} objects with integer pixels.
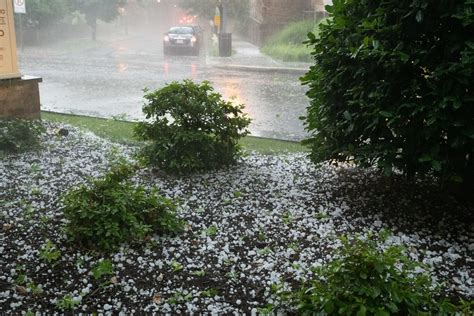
[
  {"x": 364, "y": 280},
  {"x": 17, "y": 135},
  {"x": 112, "y": 211},
  {"x": 190, "y": 128},
  {"x": 288, "y": 52},
  {"x": 392, "y": 86},
  {"x": 288, "y": 44}
]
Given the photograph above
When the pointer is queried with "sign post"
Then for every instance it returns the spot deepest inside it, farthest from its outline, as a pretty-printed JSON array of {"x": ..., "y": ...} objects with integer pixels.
[
  {"x": 8, "y": 54},
  {"x": 19, "y": 95},
  {"x": 19, "y": 7}
]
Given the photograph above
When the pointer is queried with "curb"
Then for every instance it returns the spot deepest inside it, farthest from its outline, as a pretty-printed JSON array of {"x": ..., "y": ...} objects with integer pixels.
[{"x": 286, "y": 70}]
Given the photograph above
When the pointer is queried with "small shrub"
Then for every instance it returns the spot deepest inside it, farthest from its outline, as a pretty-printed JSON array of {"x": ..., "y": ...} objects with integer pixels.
[
  {"x": 176, "y": 266},
  {"x": 364, "y": 280},
  {"x": 49, "y": 252},
  {"x": 111, "y": 211},
  {"x": 102, "y": 269},
  {"x": 68, "y": 302},
  {"x": 192, "y": 128},
  {"x": 17, "y": 135}
]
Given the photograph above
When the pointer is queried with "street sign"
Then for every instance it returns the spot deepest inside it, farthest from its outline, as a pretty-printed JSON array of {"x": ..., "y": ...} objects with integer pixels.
[
  {"x": 20, "y": 6},
  {"x": 217, "y": 21},
  {"x": 8, "y": 58}
]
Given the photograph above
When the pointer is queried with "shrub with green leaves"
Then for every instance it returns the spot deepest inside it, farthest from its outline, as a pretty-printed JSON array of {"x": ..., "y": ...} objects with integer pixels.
[
  {"x": 17, "y": 135},
  {"x": 364, "y": 280},
  {"x": 102, "y": 269},
  {"x": 190, "y": 127},
  {"x": 111, "y": 211},
  {"x": 49, "y": 252},
  {"x": 392, "y": 86}
]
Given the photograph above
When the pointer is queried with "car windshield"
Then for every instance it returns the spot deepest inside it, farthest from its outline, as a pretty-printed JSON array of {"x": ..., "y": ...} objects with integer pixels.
[{"x": 181, "y": 30}]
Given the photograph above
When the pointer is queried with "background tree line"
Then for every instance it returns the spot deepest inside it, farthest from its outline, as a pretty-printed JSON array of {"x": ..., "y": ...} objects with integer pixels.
[
  {"x": 40, "y": 14},
  {"x": 235, "y": 11}
]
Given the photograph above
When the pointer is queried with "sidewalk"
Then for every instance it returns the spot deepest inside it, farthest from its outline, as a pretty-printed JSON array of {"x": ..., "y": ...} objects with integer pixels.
[{"x": 248, "y": 57}]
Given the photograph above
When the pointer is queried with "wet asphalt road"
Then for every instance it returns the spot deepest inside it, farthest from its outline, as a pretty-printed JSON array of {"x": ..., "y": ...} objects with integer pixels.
[{"x": 106, "y": 78}]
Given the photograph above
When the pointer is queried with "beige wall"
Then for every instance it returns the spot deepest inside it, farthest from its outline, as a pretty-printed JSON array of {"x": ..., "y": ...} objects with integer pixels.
[{"x": 8, "y": 58}]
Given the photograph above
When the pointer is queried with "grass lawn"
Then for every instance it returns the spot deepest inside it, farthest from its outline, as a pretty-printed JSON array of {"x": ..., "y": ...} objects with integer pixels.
[
  {"x": 288, "y": 44},
  {"x": 122, "y": 132}
]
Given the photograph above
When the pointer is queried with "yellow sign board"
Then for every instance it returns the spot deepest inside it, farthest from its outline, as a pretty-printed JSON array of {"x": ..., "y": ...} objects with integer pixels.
[
  {"x": 8, "y": 58},
  {"x": 217, "y": 20}
]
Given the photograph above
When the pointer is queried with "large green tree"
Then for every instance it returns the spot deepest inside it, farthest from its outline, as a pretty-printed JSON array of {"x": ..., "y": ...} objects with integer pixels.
[
  {"x": 235, "y": 10},
  {"x": 94, "y": 10},
  {"x": 392, "y": 85},
  {"x": 207, "y": 8},
  {"x": 42, "y": 13}
]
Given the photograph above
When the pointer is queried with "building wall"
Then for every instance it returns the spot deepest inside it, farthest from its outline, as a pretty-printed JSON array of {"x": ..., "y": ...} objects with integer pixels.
[
  {"x": 318, "y": 5},
  {"x": 277, "y": 11},
  {"x": 269, "y": 16}
]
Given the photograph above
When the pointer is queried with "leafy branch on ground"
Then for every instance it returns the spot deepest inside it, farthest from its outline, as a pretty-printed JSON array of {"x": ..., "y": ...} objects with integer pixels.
[
  {"x": 49, "y": 252},
  {"x": 111, "y": 211}
]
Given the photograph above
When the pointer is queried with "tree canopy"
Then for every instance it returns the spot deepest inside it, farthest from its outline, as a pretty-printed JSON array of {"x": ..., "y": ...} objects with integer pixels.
[
  {"x": 93, "y": 10},
  {"x": 207, "y": 8},
  {"x": 41, "y": 13}
]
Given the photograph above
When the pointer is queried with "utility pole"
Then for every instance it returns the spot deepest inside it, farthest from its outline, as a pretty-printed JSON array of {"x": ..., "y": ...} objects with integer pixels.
[{"x": 19, "y": 7}]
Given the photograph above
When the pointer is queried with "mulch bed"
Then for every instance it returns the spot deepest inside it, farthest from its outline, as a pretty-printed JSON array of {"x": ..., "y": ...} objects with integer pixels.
[{"x": 265, "y": 221}]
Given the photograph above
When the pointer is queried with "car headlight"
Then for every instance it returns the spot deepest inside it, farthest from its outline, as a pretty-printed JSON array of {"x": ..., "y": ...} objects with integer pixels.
[
  {"x": 166, "y": 38},
  {"x": 193, "y": 39}
]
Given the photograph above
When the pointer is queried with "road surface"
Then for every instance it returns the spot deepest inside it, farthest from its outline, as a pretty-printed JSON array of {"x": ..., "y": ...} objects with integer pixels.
[{"x": 106, "y": 79}]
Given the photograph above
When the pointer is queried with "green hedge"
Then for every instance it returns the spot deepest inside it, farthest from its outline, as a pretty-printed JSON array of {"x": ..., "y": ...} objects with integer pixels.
[{"x": 392, "y": 85}]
